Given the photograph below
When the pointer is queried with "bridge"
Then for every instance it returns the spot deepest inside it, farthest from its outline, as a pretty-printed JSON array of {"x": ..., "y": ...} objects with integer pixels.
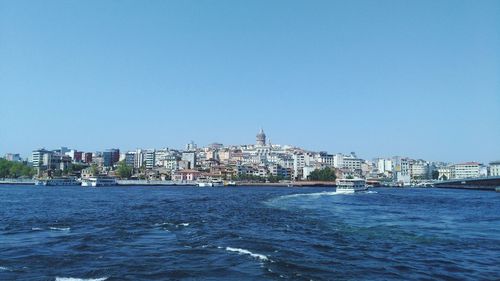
[{"x": 486, "y": 183}]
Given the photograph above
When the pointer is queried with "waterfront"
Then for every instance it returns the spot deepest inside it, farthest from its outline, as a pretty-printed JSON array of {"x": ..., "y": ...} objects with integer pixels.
[{"x": 158, "y": 233}]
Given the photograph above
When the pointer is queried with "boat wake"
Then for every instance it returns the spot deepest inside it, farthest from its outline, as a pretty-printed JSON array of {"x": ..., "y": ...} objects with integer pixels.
[
  {"x": 316, "y": 194},
  {"x": 247, "y": 252},
  {"x": 80, "y": 279},
  {"x": 321, "y": 194},
  {"x": 60, "y": 228},
  {"x": 165, "y": 224}
]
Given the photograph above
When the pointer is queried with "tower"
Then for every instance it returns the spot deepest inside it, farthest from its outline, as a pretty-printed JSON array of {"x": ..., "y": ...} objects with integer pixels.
[{"x": 261, "y": 138}]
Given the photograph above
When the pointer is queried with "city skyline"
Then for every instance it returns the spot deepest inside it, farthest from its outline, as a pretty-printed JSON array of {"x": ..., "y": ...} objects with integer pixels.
[
  {"x": 419, "y": 79},
  {"x": 258, "y": 142}
]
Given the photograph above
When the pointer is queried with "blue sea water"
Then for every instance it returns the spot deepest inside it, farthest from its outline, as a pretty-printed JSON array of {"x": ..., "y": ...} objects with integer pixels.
[{"x": 247, "y": 233}]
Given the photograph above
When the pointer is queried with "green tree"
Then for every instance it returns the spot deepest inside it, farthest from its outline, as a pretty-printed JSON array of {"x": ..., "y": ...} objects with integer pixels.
[
  {"x": 11, "y": 169},
  {"x": 94, "y": 169},
  {"x": 435, "y": 175},
  {"x": 325, "y": 174},
  {"x": 123, "y": 171}
]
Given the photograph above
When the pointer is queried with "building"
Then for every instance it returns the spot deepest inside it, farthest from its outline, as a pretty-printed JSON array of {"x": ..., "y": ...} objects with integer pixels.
[
  {"x": 352, "y": 163},
  {"x": 190, "y": 158},
  {"x": 75, "y": 155},
  {"x": 107, "y": 158},
  {"x": 37, "y": 157},
  {"x": 129, "y": 159},
  {"x": 419, "y": 170},
  {"x": 261, "y": 138},
  {"x": 191, "y": 146},
  {"x": 401, "y": 170},
  {"x": 384, "y": 166},
  {"x": 445, "y": 172},
  {"x": 139, "y": 159},
  {"x": 150, "y": 159},
  {"x": 466, "y": 170},
  {"x": 495, "y": 169},
  {"x": 87, "y": 157},
  {"x": 186, "y": 175},
  {"x": 13, "y": 157},
  {"x": 326, "y": 159}
]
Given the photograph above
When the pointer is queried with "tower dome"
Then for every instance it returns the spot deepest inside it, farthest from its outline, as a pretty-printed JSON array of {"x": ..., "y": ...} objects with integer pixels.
[{"x": 261, "y": 138}]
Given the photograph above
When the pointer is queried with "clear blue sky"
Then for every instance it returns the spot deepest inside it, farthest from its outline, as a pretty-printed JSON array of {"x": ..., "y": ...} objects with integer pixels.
[{"x": 382, "y": 78}]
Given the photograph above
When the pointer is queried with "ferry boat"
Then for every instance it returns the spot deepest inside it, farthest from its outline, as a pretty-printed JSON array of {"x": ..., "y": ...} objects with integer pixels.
[
  {"x": 99, "y": 181},
  {"x": 351, "y": 185},
  {"x": 210, "y": 184},
  {"x": 58, "y": 182}
]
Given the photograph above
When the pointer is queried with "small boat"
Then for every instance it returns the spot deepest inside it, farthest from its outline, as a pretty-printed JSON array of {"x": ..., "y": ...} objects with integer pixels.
[
  {"x": 351, "y": 185},
  {"x": 99, "y": 181},
  {"x": 58, "y": 182},
  {"x": 230, "y": 183}
]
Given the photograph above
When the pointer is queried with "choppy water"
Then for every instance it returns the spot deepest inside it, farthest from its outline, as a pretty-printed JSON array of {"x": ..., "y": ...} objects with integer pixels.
[{"x": 260, "y": 233}]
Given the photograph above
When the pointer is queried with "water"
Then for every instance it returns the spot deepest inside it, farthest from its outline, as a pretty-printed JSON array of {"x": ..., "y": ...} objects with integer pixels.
[{"x": 260, "y": 233}]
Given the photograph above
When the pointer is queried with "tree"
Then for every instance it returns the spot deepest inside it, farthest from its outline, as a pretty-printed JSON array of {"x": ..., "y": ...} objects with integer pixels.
[
  {"x": 435, "y": 175},
  {"x": 95, "y": 169},
  {"x": 11, "y": 169},
  {"x": 325, "y": 174},
  {"x": 123, "y": 171}
]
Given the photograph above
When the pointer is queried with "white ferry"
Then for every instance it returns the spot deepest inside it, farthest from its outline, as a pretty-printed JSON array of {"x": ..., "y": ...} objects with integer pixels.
[
  {"x": 58, "y": 182},
  {"x": 99, "y": 181},
  {"x": 210, "y": 184},
  {"x": 351, "y": 185}
]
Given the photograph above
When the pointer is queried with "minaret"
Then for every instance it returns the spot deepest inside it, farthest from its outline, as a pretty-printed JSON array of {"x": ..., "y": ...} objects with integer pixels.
[{"x": 261, "y": 138}]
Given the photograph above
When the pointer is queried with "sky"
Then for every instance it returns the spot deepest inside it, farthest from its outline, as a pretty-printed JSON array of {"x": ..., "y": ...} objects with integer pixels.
[{"x": 380, "y": 78}]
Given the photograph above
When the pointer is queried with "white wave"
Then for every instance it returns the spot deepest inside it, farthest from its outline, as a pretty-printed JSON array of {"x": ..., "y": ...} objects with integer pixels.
[
  {"x": 247, "y": 252},
  {"x": 80, "y": 279},
  {"x": 36, "y": 228},
  {"x": 184, "y": 224},
  {"x": 60, "y": 228},
  {"x": 3, "y": 268},
  {"x": 162, "y": 224},
  {"x": 316, "y": 194}
]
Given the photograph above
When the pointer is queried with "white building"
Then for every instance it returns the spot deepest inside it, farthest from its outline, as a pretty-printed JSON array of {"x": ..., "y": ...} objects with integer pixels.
[
  {"x": 150, "y": 159},
  {"x": 401, "y": 170},
  {"x": 419, "y": 170},
  {"x": 466, "y": 170},
  {"x": 139, "y": 158},
  {"x": 338, "y": 160},
  {"x": 495, "y": 169}
]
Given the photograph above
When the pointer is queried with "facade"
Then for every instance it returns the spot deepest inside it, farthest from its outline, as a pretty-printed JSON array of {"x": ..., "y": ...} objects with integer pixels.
[
  {"x": 37, "y": 157},
  {"x": 446, "y": 173},
  {"x": 87, "y": 157},
  {"x": 495, "y": 169},
  {"x": 150, "y": 159},
  {"x": 107, "y": 159},
  {"x": 13, "y": 157},
  {"x": 384, "y": 166},
  {"x": 352, "y": 163},
  {"x": 139, "y": 159},
  {"x": 190, "y": 158},
  {"x": 129, "y": 159},
  {"x": 466, "y": 170},
  {"x": 401, "y": 170},
  {"x": 419, "y": 170},
  {"x": 186, "y": 175}
]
